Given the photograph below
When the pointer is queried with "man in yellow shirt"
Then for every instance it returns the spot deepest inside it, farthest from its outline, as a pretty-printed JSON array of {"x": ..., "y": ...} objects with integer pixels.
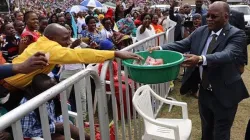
[{"x": 54, "y": 42}]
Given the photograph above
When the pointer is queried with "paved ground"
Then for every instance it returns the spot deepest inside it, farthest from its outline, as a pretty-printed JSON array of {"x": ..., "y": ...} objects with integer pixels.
[{"x": 241, "y": 119}]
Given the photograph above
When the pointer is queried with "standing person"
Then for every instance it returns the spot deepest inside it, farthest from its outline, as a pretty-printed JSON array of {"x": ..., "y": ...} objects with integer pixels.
[
  {"x": 30, "y": 33},
  {"x": 247, "y": 135},
  {"x": 166, "y": 22},
  {"x": 146, "y": 29},
  {"x": 178, "y": 18},
  {"x": 159, "y": 14},
  {"x": 198, "y": 8},
  {"x": 157, "y": 27},
  {"x": 236, "y": 18},
  {"x": 218, "y": 50},
  {"x": 80, "y": 22},
  {"x": 68, "y": 20},
  {"x": 120, "y": 12}
]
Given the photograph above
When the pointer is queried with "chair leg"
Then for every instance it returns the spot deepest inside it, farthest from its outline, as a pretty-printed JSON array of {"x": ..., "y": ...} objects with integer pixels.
[
  {"x": 171, "y": 106},
  {"x": 95, "y": 103}
]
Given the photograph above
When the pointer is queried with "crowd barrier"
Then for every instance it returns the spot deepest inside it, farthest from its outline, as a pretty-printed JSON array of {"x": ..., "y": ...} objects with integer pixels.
[{"x": 112, "y": 100}]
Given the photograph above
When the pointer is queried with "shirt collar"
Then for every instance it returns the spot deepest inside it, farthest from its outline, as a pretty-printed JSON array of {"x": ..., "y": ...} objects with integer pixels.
[{"x": 217, "y": 33}]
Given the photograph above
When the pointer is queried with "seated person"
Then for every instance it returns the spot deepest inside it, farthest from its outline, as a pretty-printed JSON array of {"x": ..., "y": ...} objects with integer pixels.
[
  {"x": 31, "y": 123},
  {"x": 108, "y": 45}
]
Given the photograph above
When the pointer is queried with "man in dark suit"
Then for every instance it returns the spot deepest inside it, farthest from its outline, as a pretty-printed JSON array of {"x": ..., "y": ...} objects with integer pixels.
[
  {"x": 179, "y": 18},
  {"x": 218, "y": 50},
  {"x": 235, "y": 18}
]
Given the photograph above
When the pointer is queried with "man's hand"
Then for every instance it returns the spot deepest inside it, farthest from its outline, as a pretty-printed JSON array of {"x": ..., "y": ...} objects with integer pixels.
[
  {"x": 153, "y": 48},
  {"x": 94, "y": 45},
  {"x": 5, "y": 136},
  {"x": 127, "y": 55},
  {"x": 75, "y": 43},
  {"x": 173, "y": 4},
  {"x": 59, "y": 128},
  {"x": 241, "y": 68},
  {"x": 191, "y": 60},
  {"x": 37, "y": 61}
]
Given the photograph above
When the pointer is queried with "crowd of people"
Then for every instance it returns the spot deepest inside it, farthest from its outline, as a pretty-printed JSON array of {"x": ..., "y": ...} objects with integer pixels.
[{"x": 42, "y": 44}]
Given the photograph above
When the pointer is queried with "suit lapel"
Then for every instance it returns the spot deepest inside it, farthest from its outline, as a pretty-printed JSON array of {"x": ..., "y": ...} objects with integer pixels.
[
  {"x": 206, "y": 33},
  {"x": 222, "y": 36}
]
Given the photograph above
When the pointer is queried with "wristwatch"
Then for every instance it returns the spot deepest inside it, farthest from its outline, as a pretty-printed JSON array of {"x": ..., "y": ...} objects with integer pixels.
[{"x": 200, "y": 62}]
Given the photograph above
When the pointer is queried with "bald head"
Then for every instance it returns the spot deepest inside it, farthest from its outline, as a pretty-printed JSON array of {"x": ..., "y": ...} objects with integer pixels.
[
  {"x": 54, "y": 29},
  {"x": 218, "y": 15},
  {"x": 57, "y": 33},
  {"x": 212, "y": 1},
  {"x": 220, "y": 5}
]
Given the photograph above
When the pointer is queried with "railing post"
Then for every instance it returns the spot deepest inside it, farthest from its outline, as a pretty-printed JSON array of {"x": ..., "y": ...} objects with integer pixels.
[
  {"x": 78, "y": 98},
  {"x": 65, "y": 114},
  {"x": 17, "y": 130},
  {"x": 102, "y": 106},
  {"x": 45, "y": 121}
]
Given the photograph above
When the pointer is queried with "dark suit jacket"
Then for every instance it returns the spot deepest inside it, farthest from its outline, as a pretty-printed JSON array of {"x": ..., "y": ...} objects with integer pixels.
[
  {"x": 236, "y": 19},
  {"x": 178, "y": 19},
  {"x": 222, "y": 65}
]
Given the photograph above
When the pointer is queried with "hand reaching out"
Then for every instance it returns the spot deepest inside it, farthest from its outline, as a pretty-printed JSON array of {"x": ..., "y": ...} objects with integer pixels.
[
  {"x": 191, "y": 60},
  {"x": 127, "y": 55}
]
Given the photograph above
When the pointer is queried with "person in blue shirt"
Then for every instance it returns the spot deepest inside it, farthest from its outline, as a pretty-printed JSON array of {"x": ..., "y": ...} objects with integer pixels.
[{"x": 31, "y": 123}]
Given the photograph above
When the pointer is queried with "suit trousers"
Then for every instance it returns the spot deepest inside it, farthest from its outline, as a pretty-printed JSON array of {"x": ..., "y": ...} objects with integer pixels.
[
  {"x": 247, "y": 135},
  {"x": 216, "y": 120}
]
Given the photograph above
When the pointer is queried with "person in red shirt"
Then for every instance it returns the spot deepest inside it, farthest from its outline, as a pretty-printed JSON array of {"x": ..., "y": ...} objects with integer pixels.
[{"x": 30, "y": 33}]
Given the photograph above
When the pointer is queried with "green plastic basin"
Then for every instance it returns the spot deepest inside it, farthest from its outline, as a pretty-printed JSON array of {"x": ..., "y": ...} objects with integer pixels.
[{"x": 155, "y": 74}]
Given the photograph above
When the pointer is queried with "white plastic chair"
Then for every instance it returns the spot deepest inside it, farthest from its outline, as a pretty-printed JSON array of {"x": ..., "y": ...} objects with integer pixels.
[
  {"x": 95, "y": 68},
  {"x": 161, "y": 128}
]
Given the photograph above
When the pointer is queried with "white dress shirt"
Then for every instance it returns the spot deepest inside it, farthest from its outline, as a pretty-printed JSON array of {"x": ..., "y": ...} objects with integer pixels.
[{"x": 204, "y": 52}]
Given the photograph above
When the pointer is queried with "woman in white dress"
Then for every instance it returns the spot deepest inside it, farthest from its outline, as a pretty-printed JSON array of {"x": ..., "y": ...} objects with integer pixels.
[{"x": 146, "y": 29}]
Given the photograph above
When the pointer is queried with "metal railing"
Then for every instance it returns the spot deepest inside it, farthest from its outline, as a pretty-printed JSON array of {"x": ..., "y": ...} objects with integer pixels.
[{"x": 128, "y": 126}]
